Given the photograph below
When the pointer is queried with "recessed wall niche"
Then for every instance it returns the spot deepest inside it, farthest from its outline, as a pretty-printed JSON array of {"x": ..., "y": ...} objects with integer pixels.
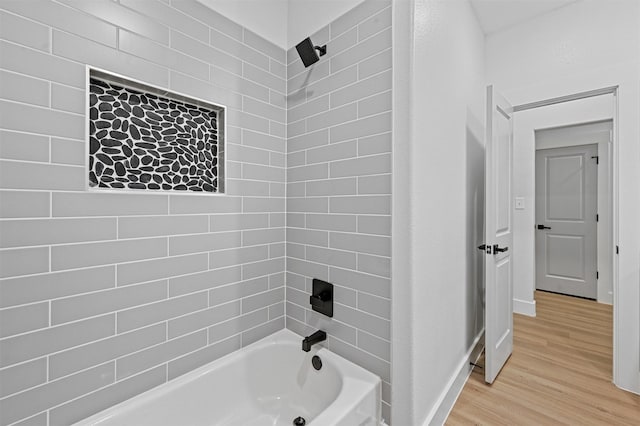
[{"x": 145, "y": 138}]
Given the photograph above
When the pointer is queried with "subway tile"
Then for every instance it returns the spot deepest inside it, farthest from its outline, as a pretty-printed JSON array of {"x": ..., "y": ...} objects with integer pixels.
[
  {"x": 375, "y": 24},
  {"x": 22, "y": 376},
  {"x": 308, "y": 205},
  {"x": 168, "y": 16},
  {"x": 276, "y": 250},
  {"x": 228, "y": 293},
  {"x": 38, "y": 120},
  {"x": 375, "y": 64},
  {"x": 345, "y": 296},
  {"x": 333, "y": 327},
  {"x": 135, "y": 363},
  {"x": 371, "y": 244},
  {"x": 298, "y": 327},
  {"x": 194, "y": 204},
  {"x": 332, "y": 117},
  {"x": 235, "y": 256},
  {"x": 298, "y": 158},
  {"x": 363, "y": 321},
  {"x": 14, "y": 204},
  {"x": 16, "y": 29},
  {"x": 308, "y": 109},
  {"x": 333, "y": 82},
  {"x": 375, "y": 305},
  {"x": 153, "y": 226},
  {"x": 38, "y": 343},
  {"x": 341, "y": 259},
  {"x": 23, "y": 318},
  {"x": 188, "y": 85},
  {"x": 295, "y": 311},
  {"x": 264, "y": 173},
  {"x": 20, "y": 175},
  {"x": 311, "y": 172},
  {"x": 264, "y": 46},
  {"x": 238, "y": 49},
  {"x": 337, "y": 151},
  {"x": 92, "y": 304},
  {"x": 262, "y": 331},
  {"x": 279, "y": 100},
  {"x": 92, "y": 403},
  {"x": 279, "y": 70},
  {"x": 15, "y": 262},
  {"x": 375, "y": 104},
  {"x": 261, "y": 268},
  {"x": 362, "y": 204},
  {"x": 18, "y": 291},
  {"x": 203, "y": 356},
  {"x": 85, "y": 51},
  {"x": 21, "y": 88},
  {"x": 296, "y": 189},
  {"x": 247, "y": 187},
  {"x": 17, "y": 233},
  {"x": 209, "y": 17},
  {"x": 361, "y": 51},
  {"x": 263, "y": 141},
  {"x": 247, "y": 154},
  {"x": 122, "y": 17},
  {"x": 92, "y": 254},
  {"x": 297, "y": 297},
  {"x": 359, "y": 281},
  {"x": 296, "y": 250},
  {"x": 375, "y": 265},
  {"x": 67, "y": 204},
  {"x": 379, "y": 225},
  {"x": 264, "y": 78},
  {"x": 262, "y": 205},
  {"x": 263, "y": 236},
  {"x": 42, "y": 65},
  {"x": 345, "y": 186},
  {"x": 67, "y": 98},
  {"x": 331, "y": 222},
  {"x": 356, "y": 15},
  {"x": 68, "y": 151},
  {"x": 81, "y": 357},
  {"x": 161, "y": 55},
  {"x": 376, "y": 144},
  {"x": 374, "y": 345},
  {"x": 263, "y": 109},
  {"x": 296, "y": 129},
  {"x": 160, "y": 311},
  {"x": 362, "y": 127},
  {"x": 261, "y": 300},
  {"x": 149, "y": 270},
  {"x": 204, "y": 52},
  {"x": 33, "y": 401},
  {"x": 202, "y": 319},
  {"x": 343, "y": 41},
  {"x": 234, "y": 222},
  {"x": 67, "y": 19},
  {"x": 203, "y": 280},
  {"x": 23, "y": 146},
  {"x": 310, "y": 269},
  {"x": 277, "y": 159},
  {"x": 307, "y": 76},
  {"x": 247, "y": 121},
  {"x": 374, "y": 364},
  {"x": 362, "y": 89},
  {"x": 276, "y": 310},
  {"x": 203, "y": 242},
  {"x": 307, "y": 236}
]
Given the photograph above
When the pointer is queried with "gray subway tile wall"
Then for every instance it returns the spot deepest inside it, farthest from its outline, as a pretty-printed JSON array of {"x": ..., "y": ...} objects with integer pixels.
[
  {"x": 105, "y": 295},
  {"x": 339, "y": 187}
]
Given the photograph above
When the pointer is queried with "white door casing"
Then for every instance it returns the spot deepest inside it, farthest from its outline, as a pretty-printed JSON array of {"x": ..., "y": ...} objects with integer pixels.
[
  {"x": 566, "y": 209},
  {"x": 498, "y": 234}
]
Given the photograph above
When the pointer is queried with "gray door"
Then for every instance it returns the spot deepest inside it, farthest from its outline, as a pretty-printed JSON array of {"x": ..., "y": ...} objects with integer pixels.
[{"x": 566, "y": 227}]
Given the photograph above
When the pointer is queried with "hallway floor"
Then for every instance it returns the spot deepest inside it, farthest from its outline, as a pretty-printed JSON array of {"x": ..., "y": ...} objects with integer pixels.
[{"x": 559, "y": 372}]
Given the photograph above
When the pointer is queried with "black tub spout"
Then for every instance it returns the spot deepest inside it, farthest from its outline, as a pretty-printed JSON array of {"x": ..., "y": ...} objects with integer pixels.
[{"x": 317, "y": 337}]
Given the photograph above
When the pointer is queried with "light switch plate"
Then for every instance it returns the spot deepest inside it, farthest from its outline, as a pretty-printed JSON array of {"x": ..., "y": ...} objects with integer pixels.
[{"x": 519, "y": 203}]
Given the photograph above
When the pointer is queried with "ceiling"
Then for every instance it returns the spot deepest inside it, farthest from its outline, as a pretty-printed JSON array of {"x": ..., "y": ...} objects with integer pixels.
[{"x": 497, "y": 15}]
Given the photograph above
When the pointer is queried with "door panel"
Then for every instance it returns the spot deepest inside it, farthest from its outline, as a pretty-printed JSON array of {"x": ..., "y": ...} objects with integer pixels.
[
  {"x": 566, "y": 204},
  {"x": 498, "y": 235}
]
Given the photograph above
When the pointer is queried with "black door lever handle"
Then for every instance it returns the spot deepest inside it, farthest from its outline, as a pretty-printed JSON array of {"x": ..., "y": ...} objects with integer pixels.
[
  {"x": 497, "y": 249},
  {"x": 543, "y": 227}
]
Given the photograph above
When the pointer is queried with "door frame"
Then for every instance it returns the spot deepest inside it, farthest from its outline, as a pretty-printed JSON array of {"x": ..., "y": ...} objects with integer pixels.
[{"x": 544, "y": 139}]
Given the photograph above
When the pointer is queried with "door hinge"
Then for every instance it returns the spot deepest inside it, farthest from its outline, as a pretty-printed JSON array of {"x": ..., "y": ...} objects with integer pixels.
[
  {"x": 597, "y": 157},
  {"x": 597, "y": 218},
  {"x": 597, "y": 275}
]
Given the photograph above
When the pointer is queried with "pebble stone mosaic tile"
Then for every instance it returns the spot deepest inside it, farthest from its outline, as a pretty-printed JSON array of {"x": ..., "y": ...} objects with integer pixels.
[{"x": 139, "y": 140}]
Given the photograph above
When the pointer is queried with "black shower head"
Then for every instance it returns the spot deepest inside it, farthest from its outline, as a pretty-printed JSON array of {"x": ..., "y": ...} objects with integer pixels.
[{"x": 307, "y": 52}]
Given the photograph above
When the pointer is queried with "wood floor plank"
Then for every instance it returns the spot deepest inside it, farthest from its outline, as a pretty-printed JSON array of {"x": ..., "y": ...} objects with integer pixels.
[{"x": 559, "y": 372}]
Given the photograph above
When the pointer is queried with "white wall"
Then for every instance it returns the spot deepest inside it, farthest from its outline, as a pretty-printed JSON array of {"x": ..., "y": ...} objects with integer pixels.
[
  {"x": 439, "y": 163},
  {"x": 588, "y": 45}
]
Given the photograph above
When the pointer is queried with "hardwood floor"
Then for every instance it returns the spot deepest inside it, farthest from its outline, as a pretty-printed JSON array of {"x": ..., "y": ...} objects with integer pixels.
[{"x": 559, "y": 372}]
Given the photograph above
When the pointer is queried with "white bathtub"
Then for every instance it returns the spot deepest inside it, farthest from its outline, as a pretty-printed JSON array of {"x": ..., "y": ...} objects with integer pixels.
[{"x": 270, "y": 382}]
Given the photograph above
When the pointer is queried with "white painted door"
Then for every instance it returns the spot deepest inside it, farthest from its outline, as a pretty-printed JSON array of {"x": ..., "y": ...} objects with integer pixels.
[
  {"x": 566, "y": 209},
  {"x": 498, "y": 234}
]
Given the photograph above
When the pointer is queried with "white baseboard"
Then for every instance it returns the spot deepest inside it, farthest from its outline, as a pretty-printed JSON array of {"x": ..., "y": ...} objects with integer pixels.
[
  {"x": 447, "y": 399},
  {"x": 524, "y": 307}
]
